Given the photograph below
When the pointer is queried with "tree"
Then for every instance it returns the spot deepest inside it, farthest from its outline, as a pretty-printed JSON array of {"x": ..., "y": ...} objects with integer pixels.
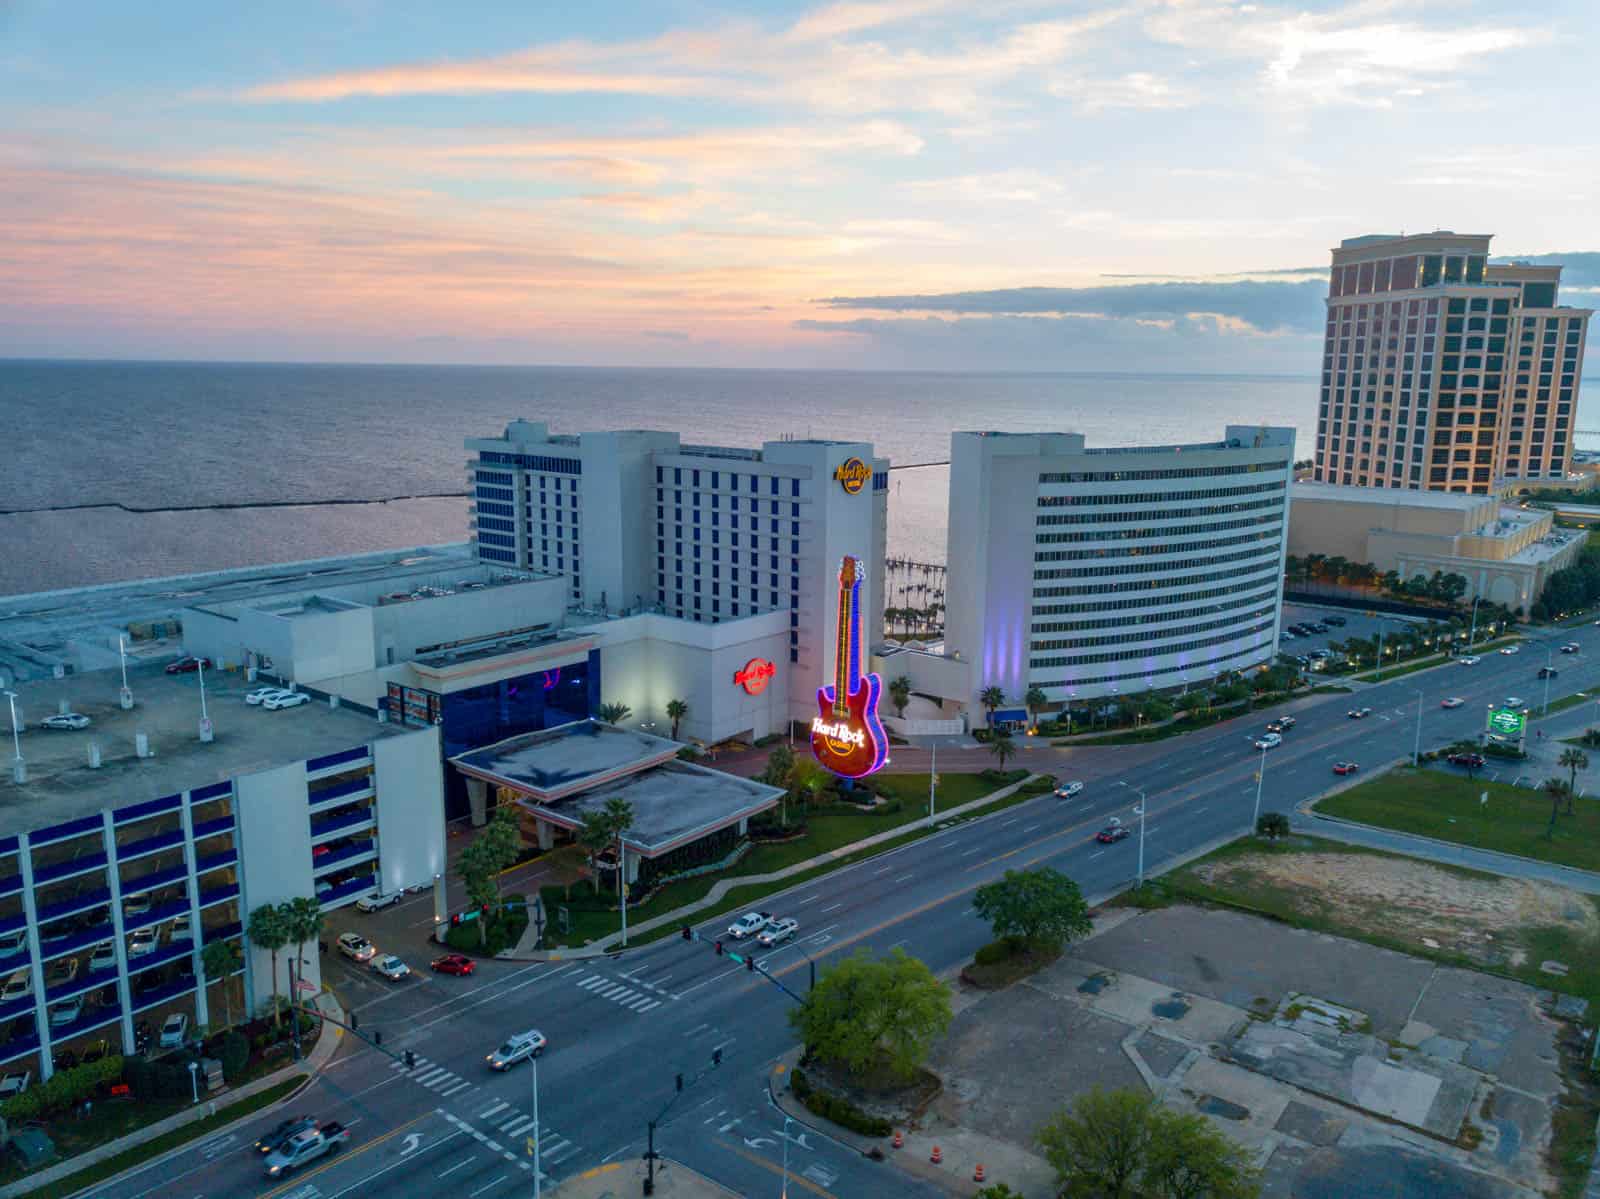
[
  {"x": 676, "y": 711},
  {"x": 1042, "y": 906},
  {"x": 1098, "y": 1146},
  {"x": 501, "y": 839},
  {"x": 991, "y": 697},
  {"x": 1557, "y": 790},
  {"x": 779, "y": 763},
  {"x": 1033, "y": 701},
  {"x": 1574, "y": 759},
  {"x": 1002, "y": 747},
  {"x": 867, "y": 1009},
  {"x": 1188, "y": 1158},
  {"x": 619, "y": 819},
  {"x": 615, "y": 713},
  {"x": 221, "y": 960},
  {"x": 303, "y": 921},
  {"x": 268, "y": 931},
  {"x": 900, "y": 694},
  {"x": 1272, "y": 825},
  {"x": 595, "y": 837},
  {"x": 807, "y": 780}
]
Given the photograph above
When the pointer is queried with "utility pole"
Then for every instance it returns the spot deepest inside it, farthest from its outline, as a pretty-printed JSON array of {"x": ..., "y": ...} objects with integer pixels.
[
  {"x": 19, "y": 768},
  {"x": 125, "y": 696},
  {"x": 1549, "y": 669},
  {"x": 933, "y": 780},
  {"x": 1139, "y": 812},
  {"x": 534, "y": 1062},
  {"x": 1261, "y": 773},
  {"x": 622, "y": 886},
  {"x": 1416, "y": 746}
]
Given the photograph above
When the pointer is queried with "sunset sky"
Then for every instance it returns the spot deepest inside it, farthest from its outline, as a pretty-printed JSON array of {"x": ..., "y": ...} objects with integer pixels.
[{"x": 682, "y": 183}]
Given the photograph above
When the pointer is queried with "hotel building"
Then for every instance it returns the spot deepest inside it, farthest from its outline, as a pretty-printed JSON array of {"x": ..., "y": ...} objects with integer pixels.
[{"x": 1442, "y": 371}]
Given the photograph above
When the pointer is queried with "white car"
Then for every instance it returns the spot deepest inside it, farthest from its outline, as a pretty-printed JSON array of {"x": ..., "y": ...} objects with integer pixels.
[
  {"x": 1469, "y": 660},
  {"x": 375, "y": 901},
  {"x": 356, "y": 947},
  {"x": 173, "y": 1030},
  {"x": 182, "y": 930},
  {"x": 391, "y": 967},
  {"x": 66, "y": 720},
  {"x": 1068, "y": 790},
  {"x": 137, "y": 905},
  {"x": 1455, "y": 701},
  {"x": 1515, "y": 701},
  {"x": 260, "y": 693},
  {"x": 142, "y": 942},
  {"x": 61, "y": 970},
  {"x": 749, "y": 925},
  {"x": 1509, "y": 650},
  {"x": 1269, "y": 741},
  {"x": 285, "y": 699},
  {"x": 17, "y": 986},
  {"x": 778, "y": 930},
  {"x": 66, "y": 1011},
  {"x": 517, "y": 1047},
  {"x": 104, "y": 957},
  {"x": 15, "y": 1084}
]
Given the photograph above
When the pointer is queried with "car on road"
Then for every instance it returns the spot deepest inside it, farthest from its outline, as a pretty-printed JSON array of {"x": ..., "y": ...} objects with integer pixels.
[
  {"x": 306, "y": 1147},
  {"x": 1359, "y": 713},
  {"x": 1111, "y": 833},
  {"x": 188, "y": 665},
  {"x": 357, "y": 947},
  {"x": 1455, "y": 701},
  {"x": 1469, "y": 660},
  {"x": 142, "y": 942},
  {"x": 1269, "y": 741},
  {"x": 1570, "y": 647},
  {"x": 285, "y": 699},
  {"x": 1508, "y": 650},
  {"x": 1345, "y": 767},
  {"x": 778, "y": 930},
  {"x": 1468, "y": 760},
  {"x": 1068, "y": 790},
  {"x": 391, "y": 967},
  {"x": 518, "y": 1047},
  {"x": 749, "y": 925},
  {"x": 260, "y": 693},
  {"x": 1334, "y": 620},
  {"x": 453, "y": 963},
  {"x": 66, "y": 720},
  {"x": 376, "y": 901},
  {"x": 1548, "y": 672},
  {"x": 173, "y": 1030},
  {"x": 275, "y": 1136},
  {"x": 1516, "y": 701}
]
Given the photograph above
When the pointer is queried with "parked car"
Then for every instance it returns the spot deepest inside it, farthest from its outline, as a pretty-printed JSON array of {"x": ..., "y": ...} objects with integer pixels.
[
  {"x": 1334, "y": 620},
  {"x": 142, "y": 942},
  {"x": 1068, "y": 790},
  {"x": 1112, "y": 832},
  {"x": 518, "y": 1047},
  {"x": 377, "y": 901},
  {"x": 1508, "y": 650},
  {"x": 285, "y": 699},
  {"x": 66, "y": 1011},
  {"x": 260, "y": 693},
  {"x": 1345, "y": 768},
  {"x": 188, "y": 665},
  {"x": 749, "y": 925},
  {"x": 1469, "y": 660},
  {"x": 60, "y": 970},
  {"x": 1455, "y": 701},
  {"x": 306, "y": 1147},
  {"x": 1470, "y": 761},
  {"x": 275, "y": 1136},
  {"x": 1359, "y": 713},
  {"x": 1548, "y": 672},
  {"x": 357, "y": 947},
  {"x": 1269, "y": 741},
  {"x": 103, "y": 957},
  {"x": 17, "y": 986},
  {"x": 778, "y": 930},
  {"x": 66, "y": 720},
  {"x": 173, "y": 1030},
  {"x": 453, "y": 963},
  {"x": 181, "y": 930},
  {"x": 15, "y": 1083},
  {"x": 136, "y": 905},
  {"x": 391, "y": 967}
]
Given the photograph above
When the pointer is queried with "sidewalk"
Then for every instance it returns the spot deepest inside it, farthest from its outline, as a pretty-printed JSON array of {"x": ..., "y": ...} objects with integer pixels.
[
  {"x": 723, "y": 886},
  {"x": 613, "y": 1181},
  {"x": 327, "y": 1045}
]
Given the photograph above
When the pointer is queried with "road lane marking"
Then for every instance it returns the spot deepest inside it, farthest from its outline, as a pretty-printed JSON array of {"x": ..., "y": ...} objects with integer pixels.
[
  {"x": 488, "y": 1186},
  {"x": 834, "y": 908},
  {"x": 902, "y": 878},
  {"x": 300, "y": 1180},
  {"x": 973, "y": 850},
  {"x": 461, "y": 1165}
]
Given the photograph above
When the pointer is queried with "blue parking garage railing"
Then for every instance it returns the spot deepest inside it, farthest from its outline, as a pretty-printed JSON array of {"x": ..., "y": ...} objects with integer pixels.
[{"x": 359, "y": 754}]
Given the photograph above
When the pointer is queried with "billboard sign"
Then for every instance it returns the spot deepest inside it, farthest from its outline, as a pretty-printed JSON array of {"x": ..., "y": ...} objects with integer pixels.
[{"x": 1507, "y": 722}]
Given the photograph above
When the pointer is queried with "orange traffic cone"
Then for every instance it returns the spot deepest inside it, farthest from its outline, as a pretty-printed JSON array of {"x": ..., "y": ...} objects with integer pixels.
[
  {"x": 936, "y": 1157},
  {"x": 898, "y": 1139},
  {"x": 977, "y": 1175}
]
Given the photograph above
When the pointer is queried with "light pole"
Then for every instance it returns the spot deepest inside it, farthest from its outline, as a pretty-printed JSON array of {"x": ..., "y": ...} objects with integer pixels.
[
  {"x": 206, "y": 732},
  {"x": 194, "y": 1080},
  {"x": 622, "y": 886},
  {"x": 933, "y": 780},
  {"x": 19, "y": 768},
  {"x": 1261, "y": 774},
  {"x": 1139, "y": 812},
  {"x": 787, "y": 1120},
  {"x": 1549, "y": 669},
  {"x": 1416, "y": 746},
  {"x": 125, "y": 696},
  {"x": 534, "y": 1062}
]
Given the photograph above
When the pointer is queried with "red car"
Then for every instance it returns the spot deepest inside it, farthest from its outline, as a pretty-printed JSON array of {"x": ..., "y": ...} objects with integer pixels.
[
  {"x": 188, "y": 665},
  {"x": 454, "y": 963},
  {"x": 1112, "y": 832},
  {"x": 1345, "y": 768}
]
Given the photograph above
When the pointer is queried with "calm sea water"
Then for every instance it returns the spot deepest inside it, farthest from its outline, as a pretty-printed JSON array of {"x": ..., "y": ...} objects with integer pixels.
[{"x": 153, "y": 435}]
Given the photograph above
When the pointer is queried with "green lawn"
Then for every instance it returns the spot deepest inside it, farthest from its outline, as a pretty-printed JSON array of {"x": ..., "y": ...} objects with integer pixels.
[
  {"x": 1570, "y": 701},
  {"x": 1446, "y": 806}
]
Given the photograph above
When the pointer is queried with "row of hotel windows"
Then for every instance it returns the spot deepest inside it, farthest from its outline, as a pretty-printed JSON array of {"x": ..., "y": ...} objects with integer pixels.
[
  {"x": 1275, "y": 518},
  {"x": 1200, "y": 670},
  {"x": 1267, "y": 562},
  {"x": 536, "y": 462},
  {"x": 1101, "y": 518},
  {"x": 1165, "y": 565},
  {"x": 1148, "y": 651},
  {"x": 754, "y": 503},
  {"x": 1151, "y": 642},
  {"x": 733, "y": 480},
  {"x": 755, "y": 541},
  {"x": 1178, "y": 472},
  {"x": 1140, "y": 551},
  {"x": 1157, "y": 497},
  {"x": 753, "y": 523},
  {"x": 1236, "y": 597},
  {"x": 733, "y": 577},
  {"x": 1405, "y": 273}
]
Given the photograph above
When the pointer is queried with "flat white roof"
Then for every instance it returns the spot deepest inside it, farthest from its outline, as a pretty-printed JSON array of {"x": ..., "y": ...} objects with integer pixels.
[{"x": 1387, "y": 496}]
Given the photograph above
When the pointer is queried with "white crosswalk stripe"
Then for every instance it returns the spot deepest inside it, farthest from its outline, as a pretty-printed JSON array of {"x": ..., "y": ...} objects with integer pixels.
[
  {"x": 640, "y": 997},
  {"x": 433, "y": 1076},
  {"x": 516, "y": 1127},
  {"x": 517, "y": 1130}
]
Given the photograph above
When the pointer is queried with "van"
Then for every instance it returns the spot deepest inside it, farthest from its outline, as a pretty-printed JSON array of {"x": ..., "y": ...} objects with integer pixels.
[{"x": 517, "y": 1047}]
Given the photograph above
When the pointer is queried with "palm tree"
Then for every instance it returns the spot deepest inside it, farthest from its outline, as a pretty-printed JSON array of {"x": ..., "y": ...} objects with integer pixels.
[
  {"x": 1002, "y": 747},
  {"x": 303, "y": 921},
  {"x": 991, "y": 697},
  {"x": 900, "y": 694},
  {"x": 221, "y": 960},
  {"x": 268, "y": 931},
  {"x": 1033, "y": 701},
  {"x": 615, "y": 713},
  {"x": 1557, "y": 790},
  {"x": 676, "y": 711},
  {"x": 619, "y": 818},
  {"x": 1574, "y": 759},
  {"x": 594, "y": 836}
]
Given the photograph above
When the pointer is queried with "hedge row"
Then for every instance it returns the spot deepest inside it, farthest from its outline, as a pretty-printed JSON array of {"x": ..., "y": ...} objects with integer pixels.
[
  {"x": 64, "y": 1089},
  {"x": 836, "y": 1108}
]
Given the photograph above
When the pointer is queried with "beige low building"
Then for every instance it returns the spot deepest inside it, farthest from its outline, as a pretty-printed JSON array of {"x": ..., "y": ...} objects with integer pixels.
[{"x": 1504, "y": 552}]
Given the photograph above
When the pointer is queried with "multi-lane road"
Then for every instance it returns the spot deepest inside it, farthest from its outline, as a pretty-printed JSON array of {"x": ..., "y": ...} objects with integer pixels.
[{"x": 621, "y": 1027}]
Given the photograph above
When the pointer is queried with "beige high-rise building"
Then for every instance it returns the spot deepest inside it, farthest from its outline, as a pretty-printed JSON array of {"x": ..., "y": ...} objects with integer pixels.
[{"x": 1443, "y": 372}]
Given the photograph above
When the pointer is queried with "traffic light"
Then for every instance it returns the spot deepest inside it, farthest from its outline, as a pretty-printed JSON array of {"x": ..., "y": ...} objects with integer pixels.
[
  {"x": 680, "y": 1082},
  {"x": 355, "y": 1022},
  {"x": 719, "y": 949},
  {"x": 750, "y": 961},
  {"x": 411, "y": 1060},
  {"x": 688, "y": 933},
  {"x": 455, "y": 919},
  {"x": 716, "y": 1057}
]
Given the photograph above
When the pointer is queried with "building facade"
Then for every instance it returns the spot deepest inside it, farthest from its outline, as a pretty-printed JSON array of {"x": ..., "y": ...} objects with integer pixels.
[
  {"x": 1442, "y": 371},
  {"x": 1101, "y": 572}
]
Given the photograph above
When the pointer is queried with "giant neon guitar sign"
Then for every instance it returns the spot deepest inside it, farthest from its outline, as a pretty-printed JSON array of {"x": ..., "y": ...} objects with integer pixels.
[{"x": 847, "y": 736}]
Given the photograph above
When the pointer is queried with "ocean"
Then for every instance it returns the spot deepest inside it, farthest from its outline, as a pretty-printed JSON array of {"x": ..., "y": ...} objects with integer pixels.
[{"x": 339, "y": 444}]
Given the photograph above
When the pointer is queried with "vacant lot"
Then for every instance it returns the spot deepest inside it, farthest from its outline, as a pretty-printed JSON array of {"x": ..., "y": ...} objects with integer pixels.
[{"x": 1451, "y": 807}]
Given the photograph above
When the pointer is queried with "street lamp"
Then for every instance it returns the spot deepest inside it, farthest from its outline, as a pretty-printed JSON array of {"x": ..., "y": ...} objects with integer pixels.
[
  {"x": 933, "y": 779},
  {"x": 125, "y": 696},
  {"x": 194, "y": 1079},
  {"x": 787, "y": 1120},
  {"x": 1139, "y": 812},
  {"x": 534, "y": 1061},
  {"x": 19, "y": 768},
  {"x": 1416, "y": 746},
  {"x": 1261, "y": 774},
  {"x": 206, "y": 733}
]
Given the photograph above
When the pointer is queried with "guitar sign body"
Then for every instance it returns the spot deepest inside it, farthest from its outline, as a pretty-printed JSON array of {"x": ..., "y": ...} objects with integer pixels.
[{"x": 847, "y": 735}]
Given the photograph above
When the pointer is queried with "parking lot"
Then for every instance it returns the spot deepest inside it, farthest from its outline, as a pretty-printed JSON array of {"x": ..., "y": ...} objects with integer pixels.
[{"x": 1357, "y": 623}]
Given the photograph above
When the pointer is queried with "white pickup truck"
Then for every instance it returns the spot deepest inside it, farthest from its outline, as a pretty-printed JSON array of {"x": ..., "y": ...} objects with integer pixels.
[
  {"x": 749, "y": 925},
  {"x": 306, "y": 1147}
]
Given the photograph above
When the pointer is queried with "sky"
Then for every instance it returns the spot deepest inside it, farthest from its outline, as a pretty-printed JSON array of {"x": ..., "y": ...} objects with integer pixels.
[{"x": 875, "y": 184}]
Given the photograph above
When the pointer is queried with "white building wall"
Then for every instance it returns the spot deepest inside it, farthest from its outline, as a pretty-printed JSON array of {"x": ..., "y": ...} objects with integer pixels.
[
  {"x": 273, "y": 835},
  {"x": 328, "y": 644},
  {"x": 441, "y": 620},
  {"x": 408, "y": 780}
]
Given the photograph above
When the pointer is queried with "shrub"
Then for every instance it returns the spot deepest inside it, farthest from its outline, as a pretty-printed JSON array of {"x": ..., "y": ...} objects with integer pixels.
[
  {"x": 994, "y": 953},
  {"x": 234, "y": 1053},
  {"x": 845, "y": 1114},
  {"x": 799, "y": 1084}
]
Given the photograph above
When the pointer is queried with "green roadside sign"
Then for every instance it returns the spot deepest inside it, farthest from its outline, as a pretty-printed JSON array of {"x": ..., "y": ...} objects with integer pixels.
[{"x": 1507, "y": 722}]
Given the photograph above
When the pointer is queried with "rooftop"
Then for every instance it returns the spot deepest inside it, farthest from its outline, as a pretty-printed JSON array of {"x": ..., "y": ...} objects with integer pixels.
[
  {"x": 61, "y": 786},
  {"x": 1386, "y": 496},
  {"x": 558, "y": 762}
]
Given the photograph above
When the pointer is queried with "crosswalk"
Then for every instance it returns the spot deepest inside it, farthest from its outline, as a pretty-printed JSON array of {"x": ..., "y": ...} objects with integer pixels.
[
  {"x": 635, "y": 996},
  {"x": 521, "y": 1130},
  {"x": 436, "y": 1078}
]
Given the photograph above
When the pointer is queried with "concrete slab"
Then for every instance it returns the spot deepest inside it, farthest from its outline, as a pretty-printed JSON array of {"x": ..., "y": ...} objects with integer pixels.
[
  {"x": 1136, "y": 1000},
  {"x": 1261, "y": 1100},
  {"x": 1162, "y": 1054},
  {"x": 1314, "y": 1125},
  {"x": 1506, "y": 1030},
  {"x": 1390, "y": 1171}
]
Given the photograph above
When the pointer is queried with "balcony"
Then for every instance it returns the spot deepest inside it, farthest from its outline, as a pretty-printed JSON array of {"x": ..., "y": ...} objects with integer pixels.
[
  {"x": 21, "y": 1046},
  {"x": 91, "y": 1018},
  {"x": 159, "y": 914},
  {"x": 333, "y": 825},
  {"x": 141, "y": 811},
  {"x": 215, "y": 861},
  {"x": 344, "y": 856},
  {"x": 223, "y": 932},
  {"x": 163, "y": 993},
  {"x": 10, "y": 884},
  {"x": 350, "y": 787},
  {"x": 163, "y": 954},
  {"x": 75, "y": 942},
  {"x": 13, "y": 1008}
]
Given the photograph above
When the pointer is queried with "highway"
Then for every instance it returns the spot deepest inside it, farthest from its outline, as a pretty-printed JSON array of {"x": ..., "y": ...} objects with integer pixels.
[{"x": 622, "y": 1026}]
